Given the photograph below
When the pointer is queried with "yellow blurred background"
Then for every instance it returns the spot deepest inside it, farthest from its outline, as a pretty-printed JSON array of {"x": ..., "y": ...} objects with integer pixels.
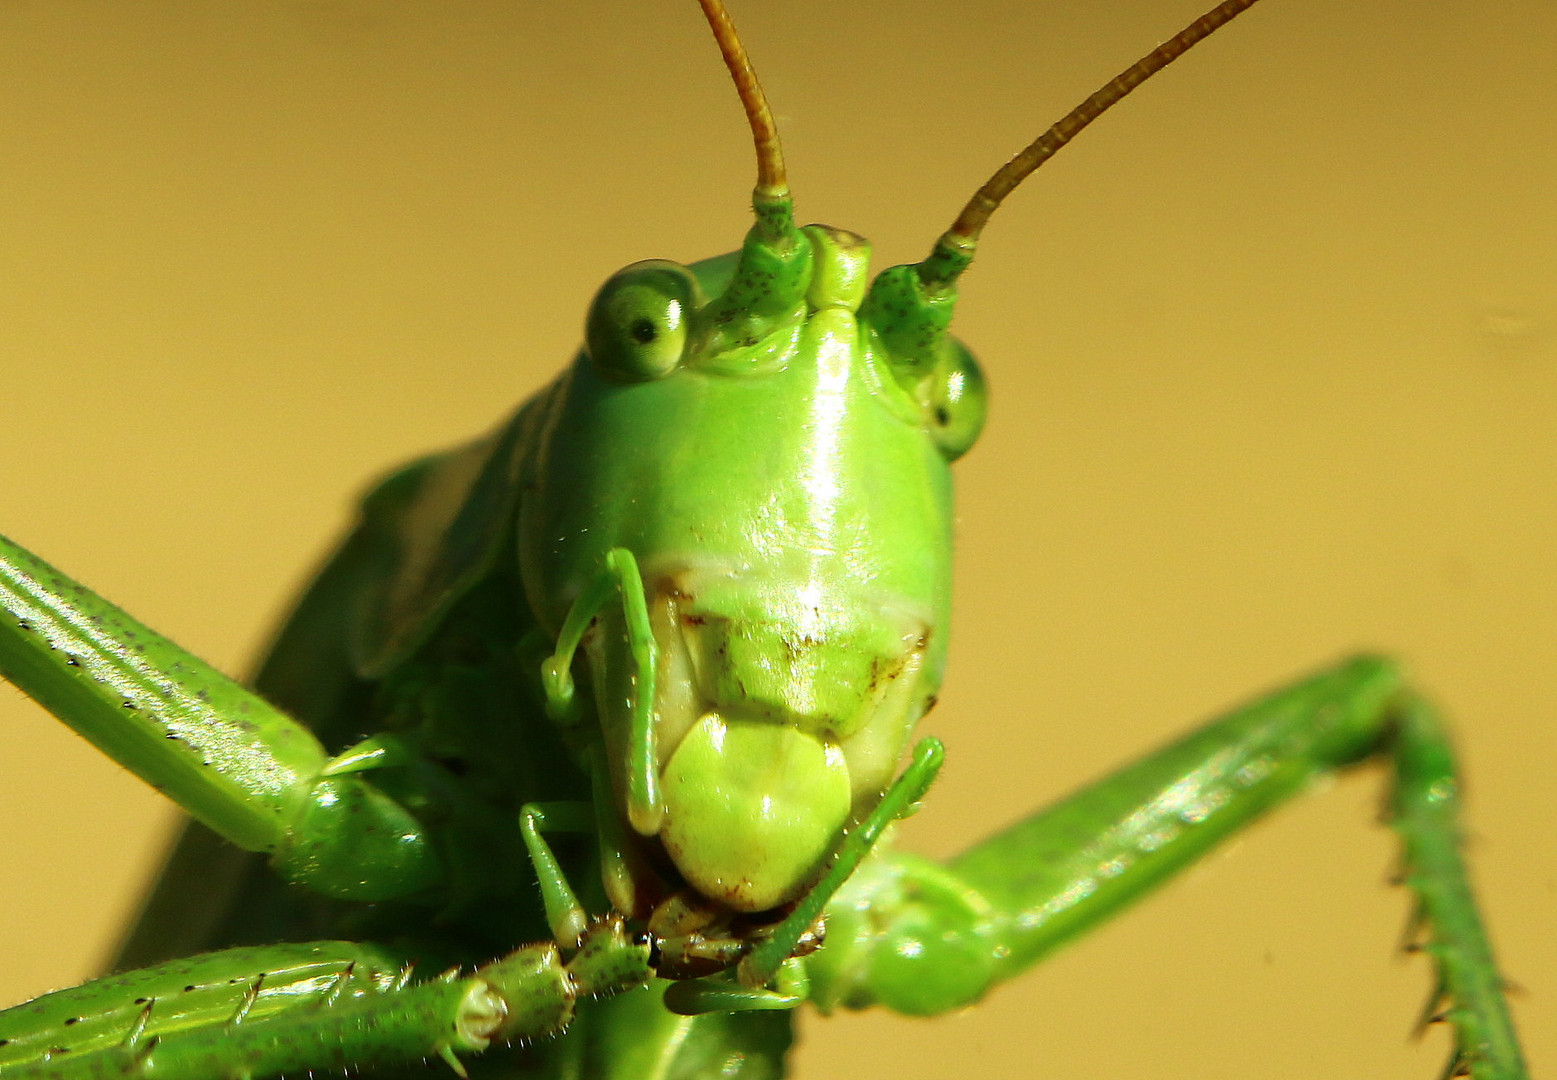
[{"x": 1272, "y": 350}]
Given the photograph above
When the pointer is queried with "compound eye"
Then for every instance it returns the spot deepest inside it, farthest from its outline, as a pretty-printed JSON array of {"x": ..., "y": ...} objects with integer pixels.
[
  {"x": 637, "y": 325},
  {"x": 955, "y": 402}
]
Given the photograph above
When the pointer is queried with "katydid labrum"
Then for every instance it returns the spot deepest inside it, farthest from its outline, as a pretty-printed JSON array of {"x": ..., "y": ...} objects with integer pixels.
[{"x": 792, "y": 643}]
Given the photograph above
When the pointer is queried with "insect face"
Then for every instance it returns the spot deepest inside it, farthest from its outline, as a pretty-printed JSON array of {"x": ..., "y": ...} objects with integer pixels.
[{"x": 780, "y": 473}]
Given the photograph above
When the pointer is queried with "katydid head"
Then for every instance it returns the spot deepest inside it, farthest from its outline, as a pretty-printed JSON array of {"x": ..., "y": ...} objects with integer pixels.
[
  {"x": 768, "y": 434},
  {"x": 783, "y": 485}
]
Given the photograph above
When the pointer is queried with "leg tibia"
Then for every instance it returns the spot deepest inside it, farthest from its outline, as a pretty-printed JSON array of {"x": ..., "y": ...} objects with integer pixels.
[
  {"x": 286, "y": 1009},
  {"x": 125, "y": 1016},
  {"x": 1469, "y": 991}
]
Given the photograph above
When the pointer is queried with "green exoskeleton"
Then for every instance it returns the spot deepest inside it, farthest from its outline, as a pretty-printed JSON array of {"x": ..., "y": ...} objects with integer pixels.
[{"x": 822, "y": 771}]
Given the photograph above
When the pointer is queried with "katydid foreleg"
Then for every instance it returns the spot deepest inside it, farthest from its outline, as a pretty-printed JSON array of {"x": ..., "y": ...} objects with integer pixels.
[
  {"x": 925, "y": 938},
  {"x": 282, "y": 1009}
]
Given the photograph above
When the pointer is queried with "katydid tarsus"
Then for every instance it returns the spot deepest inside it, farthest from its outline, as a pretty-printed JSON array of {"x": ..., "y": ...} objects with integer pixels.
[{"x": 1511, "y": 327}]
